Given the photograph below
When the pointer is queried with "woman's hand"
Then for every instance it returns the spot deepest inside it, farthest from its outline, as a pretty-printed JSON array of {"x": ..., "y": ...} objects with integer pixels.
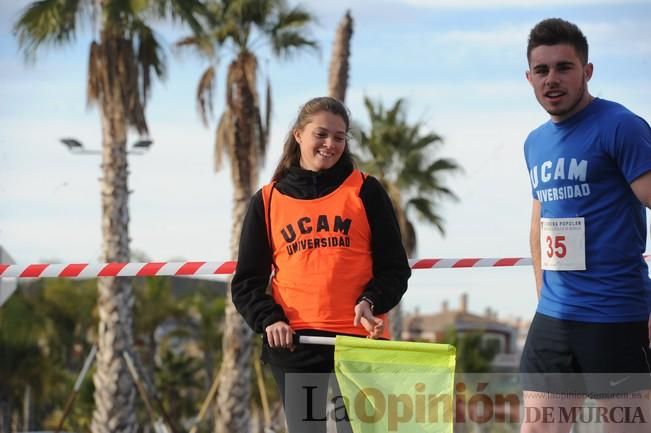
[
  {"x": 364, "y": 316},
  {"x": 280, "y": 335}
]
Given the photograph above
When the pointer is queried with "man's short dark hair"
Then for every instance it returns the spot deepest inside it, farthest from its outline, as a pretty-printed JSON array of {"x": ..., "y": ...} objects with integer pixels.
[{"x": 554, "y": 31}]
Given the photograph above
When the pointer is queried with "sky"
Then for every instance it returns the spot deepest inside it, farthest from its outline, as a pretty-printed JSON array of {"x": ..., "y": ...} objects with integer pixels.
[{"x": 459, "y": 64}]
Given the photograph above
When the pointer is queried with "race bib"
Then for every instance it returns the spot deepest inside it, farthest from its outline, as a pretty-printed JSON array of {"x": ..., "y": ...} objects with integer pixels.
[{"x": 562, "y": 244}]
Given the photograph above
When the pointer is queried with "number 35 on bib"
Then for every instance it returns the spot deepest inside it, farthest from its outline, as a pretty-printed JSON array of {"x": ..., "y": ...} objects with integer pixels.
[{"x": 562, "y": 244}]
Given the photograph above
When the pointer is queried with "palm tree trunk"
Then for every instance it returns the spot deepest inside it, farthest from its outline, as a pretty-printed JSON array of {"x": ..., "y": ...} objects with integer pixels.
[
  {"x": 339, "y": 64},
  {"x": 234, "y": 395},
  {"x": 395, "y": 314},
  {"x": 114, "y": 390}
]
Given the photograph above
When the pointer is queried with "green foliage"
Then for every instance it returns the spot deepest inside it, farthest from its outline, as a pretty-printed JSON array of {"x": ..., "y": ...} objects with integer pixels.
[
  {"x": 48, "y": 327},
  {"x": 180, "y": 380},
  {"x": 473, "y": 354},
  {"x": 179, "y": 341},
  {"x": 401, "y": 155},
  {"x": 247, "y": 23},
  {"x": 21, "y": 357},
  {"x": 69, "y": 309},
  {"x": 244, "y": 27},
  {"x": 149, "y": 292},
  {"x": 33, "y": 350},
  {"x": 46, "y": 22},
  {"x": 208, "y": 312}
]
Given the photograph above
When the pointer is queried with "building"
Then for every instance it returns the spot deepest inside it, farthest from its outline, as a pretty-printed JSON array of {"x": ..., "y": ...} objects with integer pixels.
[{"x": 504, "y": 335}]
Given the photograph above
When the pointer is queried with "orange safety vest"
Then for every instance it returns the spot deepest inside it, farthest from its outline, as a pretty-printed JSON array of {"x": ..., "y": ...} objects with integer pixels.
[{"x": 321, "y": 251}]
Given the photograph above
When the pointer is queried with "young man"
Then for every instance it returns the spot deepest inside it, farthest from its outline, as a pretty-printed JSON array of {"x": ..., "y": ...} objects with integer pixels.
[{"x": 590, "y": 172}]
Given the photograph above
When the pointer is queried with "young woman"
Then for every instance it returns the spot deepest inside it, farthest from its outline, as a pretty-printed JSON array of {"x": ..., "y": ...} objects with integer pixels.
[{"x": 330, "y": 235}]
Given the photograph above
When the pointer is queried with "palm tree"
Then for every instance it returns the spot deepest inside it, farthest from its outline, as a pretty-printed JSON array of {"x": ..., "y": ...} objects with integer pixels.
[
  {"x": 243, "y": 26},
  {"x": 399, "y": 154},
  {"x": 339, "y": 64},
  {"x": 124, "y": 57}
]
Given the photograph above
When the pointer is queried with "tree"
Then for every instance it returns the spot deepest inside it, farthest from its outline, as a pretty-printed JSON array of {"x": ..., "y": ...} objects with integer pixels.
[
  {"x": 154, "y": 304},
  {"x": 179, "y": 381},
  {"x": 42, "y": 340},
  {"x": 400, "y": 155},
  {"x": 339, "y": 64},
  {"x": 208, "y": 313},
  {"x": 474, "y": 355},
  {"x": 22, "y": 362},
  {"x": 124, "y": 57},
  {"x": 242, "y": 26}
]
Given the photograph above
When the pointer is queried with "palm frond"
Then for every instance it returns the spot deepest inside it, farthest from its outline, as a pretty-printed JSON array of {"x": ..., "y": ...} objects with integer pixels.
[
  {"x": 205, "y": 92},
  {"x": 427, "y": 140},
  {"x": 96, "y": 74},
  {"x": 224, "y": 137},
  {"x": 409, "y": 239},
  {"x": 402, "y": 157},
  {"x": 203, "y": 46},
  {"x": 425, "y": 210},
  {"x": 243, "y": 130},
  {"x": 230, "y": 31},
  {"x": 288, "y": 43},
  {"x": 250, "y": 66},
  {"x": 117, "y": 15},
  {"x": 151, "y": 57},
  {"x": 47, "y": 22},
  {"x": 254, "y": 11},
  {"x": 296, "y": 17},
  {"x": 194, "y": 13},
  {"x": 444, "y": 164},
  {"x": 287, "y": 31},
  {"x": 268, "y": 107}
]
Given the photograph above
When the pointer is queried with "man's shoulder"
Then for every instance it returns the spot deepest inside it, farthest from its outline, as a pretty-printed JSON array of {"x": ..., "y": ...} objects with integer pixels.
[
  {"x": 611, "y": 110},
  {"x": 537, "y": 134},
  {"x": 615, "y": 118}
]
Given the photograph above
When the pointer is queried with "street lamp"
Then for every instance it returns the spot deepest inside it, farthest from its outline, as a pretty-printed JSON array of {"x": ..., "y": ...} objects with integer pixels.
[{"x": 75, "y": 146}]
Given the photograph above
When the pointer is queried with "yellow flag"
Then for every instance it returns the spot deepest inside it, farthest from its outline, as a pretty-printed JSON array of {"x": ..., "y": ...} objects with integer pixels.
[{"x": 396, "y": 386}]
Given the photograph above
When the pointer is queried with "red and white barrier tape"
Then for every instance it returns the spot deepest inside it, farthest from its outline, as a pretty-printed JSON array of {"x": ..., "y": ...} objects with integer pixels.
[
  {"x": 91, "y": 270},
  {"x": 151, "y": 269}
]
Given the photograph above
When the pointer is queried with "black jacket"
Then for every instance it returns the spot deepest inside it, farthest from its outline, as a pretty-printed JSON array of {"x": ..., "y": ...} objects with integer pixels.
[{"x": 390, "y": 266}]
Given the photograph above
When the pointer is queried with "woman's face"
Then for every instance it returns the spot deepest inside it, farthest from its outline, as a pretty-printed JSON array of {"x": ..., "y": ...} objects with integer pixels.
[{"x": 322, "y": 141}]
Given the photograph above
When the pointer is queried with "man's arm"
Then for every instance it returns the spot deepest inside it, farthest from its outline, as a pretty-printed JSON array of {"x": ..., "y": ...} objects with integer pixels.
[
  {"x": 534, "y": 244},
  {"x": 642, "y": 189}
]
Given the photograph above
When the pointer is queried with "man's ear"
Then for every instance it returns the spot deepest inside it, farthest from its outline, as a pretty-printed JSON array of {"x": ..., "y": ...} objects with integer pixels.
[
  {"x": 527, "y": 75},
  {"x": 588, "y": 69}
]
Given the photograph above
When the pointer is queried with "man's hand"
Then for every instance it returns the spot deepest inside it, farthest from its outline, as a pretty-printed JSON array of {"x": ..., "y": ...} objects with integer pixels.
[
  {"x": 364, "y": 316},
  {"x": 280, "y": 335}
]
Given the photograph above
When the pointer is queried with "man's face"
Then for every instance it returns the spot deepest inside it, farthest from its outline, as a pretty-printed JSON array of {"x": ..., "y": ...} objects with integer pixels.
[{"x": 559, "y": 80}]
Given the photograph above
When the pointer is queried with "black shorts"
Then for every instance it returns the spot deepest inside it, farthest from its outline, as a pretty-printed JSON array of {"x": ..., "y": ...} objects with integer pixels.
[{"x": 566, "y": 356}]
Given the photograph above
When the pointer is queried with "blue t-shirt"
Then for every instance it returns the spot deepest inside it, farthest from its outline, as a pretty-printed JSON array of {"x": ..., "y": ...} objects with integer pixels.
[{"x": 583, "y": 167}]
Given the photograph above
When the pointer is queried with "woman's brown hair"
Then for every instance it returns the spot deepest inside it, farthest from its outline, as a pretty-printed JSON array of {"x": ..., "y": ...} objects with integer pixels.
[{"x": 291, "y": 150}]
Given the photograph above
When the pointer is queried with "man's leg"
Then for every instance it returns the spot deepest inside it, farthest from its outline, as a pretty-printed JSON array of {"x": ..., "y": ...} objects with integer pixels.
[
  {"x": 552, "y": 385},
  {"x": 630, "y": 413},
  {"x": 615, "y": 359}
]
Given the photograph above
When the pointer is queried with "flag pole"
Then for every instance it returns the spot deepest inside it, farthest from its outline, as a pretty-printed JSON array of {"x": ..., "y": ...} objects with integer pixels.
[{"x": 311, "y": 339}]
